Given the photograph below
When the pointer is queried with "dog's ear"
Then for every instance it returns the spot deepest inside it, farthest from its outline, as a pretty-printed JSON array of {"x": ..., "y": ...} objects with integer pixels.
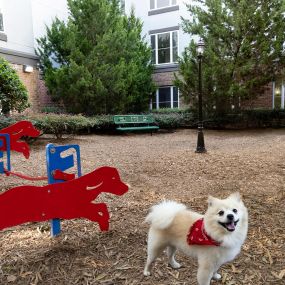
[
  {"x": 211, "y": 200},
  {"x": 235, "y": 196}
]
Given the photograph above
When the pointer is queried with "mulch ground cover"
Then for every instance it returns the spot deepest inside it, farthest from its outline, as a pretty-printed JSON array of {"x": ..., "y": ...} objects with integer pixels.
[{"x": 162, "y": 166}]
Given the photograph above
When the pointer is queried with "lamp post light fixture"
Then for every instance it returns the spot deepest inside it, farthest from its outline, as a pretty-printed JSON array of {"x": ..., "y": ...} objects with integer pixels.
[{"x": 200, "y": 141}]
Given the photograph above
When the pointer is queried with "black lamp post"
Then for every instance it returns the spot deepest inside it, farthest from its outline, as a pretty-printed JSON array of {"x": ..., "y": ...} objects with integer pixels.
[{"x": 200, "y": 142}]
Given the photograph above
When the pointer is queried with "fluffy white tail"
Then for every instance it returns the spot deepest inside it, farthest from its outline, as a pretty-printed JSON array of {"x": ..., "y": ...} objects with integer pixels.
[{"x": 162, "y": 215}]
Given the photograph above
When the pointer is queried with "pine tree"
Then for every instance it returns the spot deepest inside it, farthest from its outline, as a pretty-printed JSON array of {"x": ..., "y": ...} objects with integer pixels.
[
  {"x": 97, "y": 62},
  {"x": 244, "y": 48}
]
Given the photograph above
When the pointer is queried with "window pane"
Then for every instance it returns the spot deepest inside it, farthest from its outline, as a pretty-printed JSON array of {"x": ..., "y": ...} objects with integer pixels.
[
  {"x": 173, "y": 2},
  {"x": 153, "y": 100},
  {"x": 175, "y": 93},
  {"x": 174, "y": 46},
  {"x": 175, "y": 104},
  {"x": 174, "y": 54},
  {"x": 164, "y": 55},
  {"x": 152, "y": 40},
  {"x": 165, "y": 105},
  {"x": 163, "y": 40},
  {"x": 152, "y": 4},
  {"x": 123, "y": 5},
  {"x": 1, "y": 23},
  {"x": 164, "y": 95},
  {"x": 153, "y": 57},
  {"x": 162, "y": 3},
  {"x": 174, "y": 39}
]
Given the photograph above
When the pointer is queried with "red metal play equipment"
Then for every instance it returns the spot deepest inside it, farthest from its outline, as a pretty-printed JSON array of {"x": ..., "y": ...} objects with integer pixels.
[
  {"x": 68, "y": 200},
  {"x": 66, "y": 196},
  {"x": 17, "y": 131}
]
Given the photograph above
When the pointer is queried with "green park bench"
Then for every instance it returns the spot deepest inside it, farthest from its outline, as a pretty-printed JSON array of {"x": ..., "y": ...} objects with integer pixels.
[{"x": 128, "y": 123}]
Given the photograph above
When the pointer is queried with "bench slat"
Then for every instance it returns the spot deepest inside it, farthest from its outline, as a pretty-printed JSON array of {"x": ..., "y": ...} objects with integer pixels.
[
  {"x": 137, "y": 128},
  {"x": 134, "y": 122},
  {"x": 134, "y": 119}
]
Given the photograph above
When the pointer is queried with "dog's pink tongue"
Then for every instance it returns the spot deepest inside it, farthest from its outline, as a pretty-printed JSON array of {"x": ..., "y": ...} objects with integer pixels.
[{"x": 231, "y": 226}]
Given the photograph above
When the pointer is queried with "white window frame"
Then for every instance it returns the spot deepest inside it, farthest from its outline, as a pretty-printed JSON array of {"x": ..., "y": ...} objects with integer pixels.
[
  {"x": 171, "y": 97},
  {"x": 170, "y": 4},
  {"x": 171, "y": 47}
]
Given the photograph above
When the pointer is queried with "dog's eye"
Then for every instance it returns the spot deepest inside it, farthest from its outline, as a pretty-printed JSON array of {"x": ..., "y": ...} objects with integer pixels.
[
  {"x": 235, "y": 211},
  {"x": 221, "y": 213}
]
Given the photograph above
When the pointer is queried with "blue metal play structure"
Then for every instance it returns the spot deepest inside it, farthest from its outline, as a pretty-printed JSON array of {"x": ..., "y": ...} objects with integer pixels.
[
  {"x": 55, "y": 161},
  {"x": 5, "y": 155}
]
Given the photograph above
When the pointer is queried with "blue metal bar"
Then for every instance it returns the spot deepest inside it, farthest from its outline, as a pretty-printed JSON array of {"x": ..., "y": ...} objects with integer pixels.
[{"x": 5, "y": 164}]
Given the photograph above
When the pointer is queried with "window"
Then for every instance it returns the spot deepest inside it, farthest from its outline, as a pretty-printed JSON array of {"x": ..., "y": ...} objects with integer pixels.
[
  {"x": 278, "y": 95},
  {"x": 122, "y": 3},
  {"x": 1, "y": 23},
  {"x": 157, "y": 4},
  {"x": 166, "y": 97},
  {"x": 164, "y": 47}
]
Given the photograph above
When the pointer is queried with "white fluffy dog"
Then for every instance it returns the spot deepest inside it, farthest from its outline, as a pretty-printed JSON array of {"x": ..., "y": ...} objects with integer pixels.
[{"x": 214, "y": 238}]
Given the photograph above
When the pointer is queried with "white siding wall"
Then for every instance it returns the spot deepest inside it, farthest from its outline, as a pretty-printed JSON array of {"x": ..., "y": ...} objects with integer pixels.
[
  {"x": 44, "y": 11},
  {"x": 25, "y": 20},
  {"x": 18, "y": 27},
  {"x": 160, "y": 21}
]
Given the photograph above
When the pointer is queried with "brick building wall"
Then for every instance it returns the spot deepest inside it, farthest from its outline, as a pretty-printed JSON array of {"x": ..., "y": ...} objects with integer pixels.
[
  {"x": 38, "y": 93},
  {"x": 39, "y": 97},
  {"x": 263, "y": 101},
  {"x": 30, "y": 80},
  {"x": 44, "y": 99},
  {"x": 163, "y": 78}
]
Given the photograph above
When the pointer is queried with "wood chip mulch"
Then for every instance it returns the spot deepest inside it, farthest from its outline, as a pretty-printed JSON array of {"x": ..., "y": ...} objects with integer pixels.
[{"x": 162, "y": 166}]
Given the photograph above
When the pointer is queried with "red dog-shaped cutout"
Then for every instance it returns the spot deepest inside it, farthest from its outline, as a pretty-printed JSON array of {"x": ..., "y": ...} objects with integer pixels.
[
  {"x": 67, "y": 200},
  {"x": 18, "y": 130}
]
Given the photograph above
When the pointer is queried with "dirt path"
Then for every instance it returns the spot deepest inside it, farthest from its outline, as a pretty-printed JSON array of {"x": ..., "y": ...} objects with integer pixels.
[{"x": 162, "y": 166}]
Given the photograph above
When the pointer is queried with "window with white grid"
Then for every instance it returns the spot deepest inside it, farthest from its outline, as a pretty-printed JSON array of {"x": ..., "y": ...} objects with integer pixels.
[
  {"x": 158, "y": 4},
  {"x": 164, "y": 47}
]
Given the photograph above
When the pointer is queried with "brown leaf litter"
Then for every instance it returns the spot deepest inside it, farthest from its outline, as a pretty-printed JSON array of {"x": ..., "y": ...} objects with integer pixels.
[{"x": 162, "y": 166}]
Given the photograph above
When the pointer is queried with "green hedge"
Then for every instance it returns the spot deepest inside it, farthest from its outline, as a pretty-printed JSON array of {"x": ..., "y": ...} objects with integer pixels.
[
  {"x": 67, "y": 124},
  {"x": 59, "y": 124},
  {"x": 247, "y": 119},
  {"x": 173, "y": 120},
  {"x": 7, "y": 121}
]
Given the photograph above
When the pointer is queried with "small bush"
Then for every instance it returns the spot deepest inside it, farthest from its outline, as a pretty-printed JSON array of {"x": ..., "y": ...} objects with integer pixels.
[
  {"x": 173, "y": 120},
  {"x": 6, "y": 121},
  {"x": 258, "y": 118},
  {"x": 171, "y": 111},
  {"x": 53, "y": 110},
  {"x": 13, "y": 93},
  {"x": 61, "y": 124},
  {"x": 102, "y": 123}
]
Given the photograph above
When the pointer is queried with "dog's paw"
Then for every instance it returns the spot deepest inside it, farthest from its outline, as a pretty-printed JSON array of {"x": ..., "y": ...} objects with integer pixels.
[
  {"x": 146, "y": 273},
  {"x": 175, "y": 265},
  {"x": 217, "y": 276}
]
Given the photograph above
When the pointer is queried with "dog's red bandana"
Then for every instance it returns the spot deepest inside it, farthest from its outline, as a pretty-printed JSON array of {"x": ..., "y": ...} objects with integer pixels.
[{"x": 198, "y": 236}]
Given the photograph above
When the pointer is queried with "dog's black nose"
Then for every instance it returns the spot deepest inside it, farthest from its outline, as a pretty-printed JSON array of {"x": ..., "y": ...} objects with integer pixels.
[{"x": 230, "y": 217}]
